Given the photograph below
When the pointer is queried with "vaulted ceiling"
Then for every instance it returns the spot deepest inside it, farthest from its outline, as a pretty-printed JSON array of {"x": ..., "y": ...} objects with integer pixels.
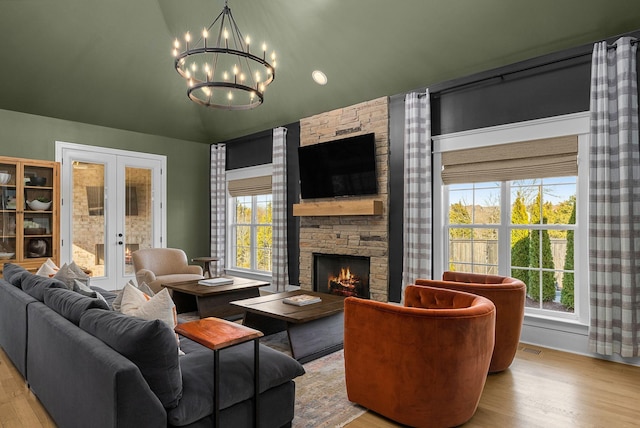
[{"x": 109, "y": 62}]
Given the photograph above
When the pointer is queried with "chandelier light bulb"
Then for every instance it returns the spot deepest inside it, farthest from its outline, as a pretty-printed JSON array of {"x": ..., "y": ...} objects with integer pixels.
[
  {"x": 247, "y": 41},
  {"x": 241, "y": 77},
  {"x": 273, "y": 56},
  {"x": 235, "y": 70},
  {"x": 187, "y": 74},
  {"x": 175, "y": 52},
  {"x": 264, "y": 47},
  {"x": 225, "y": 76},
  {"x": 257, "y": 76},
  {"x": 230, "y": 95},
  {"x": 176, "y": 43},
  {"x": 187, "y": 37},
  {"x": 205, "y": 33}
]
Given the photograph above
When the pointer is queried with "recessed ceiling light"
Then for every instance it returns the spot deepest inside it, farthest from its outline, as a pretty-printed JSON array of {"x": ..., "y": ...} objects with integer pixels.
[{"x": 319, "y": 77}]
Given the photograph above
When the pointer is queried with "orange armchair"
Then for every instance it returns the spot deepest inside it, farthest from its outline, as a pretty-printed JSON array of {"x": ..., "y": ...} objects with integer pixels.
[
  {"x": 507, "y": 294},
  {"x": 423, "y": 364},
  {"x": 155, "y": 266}
]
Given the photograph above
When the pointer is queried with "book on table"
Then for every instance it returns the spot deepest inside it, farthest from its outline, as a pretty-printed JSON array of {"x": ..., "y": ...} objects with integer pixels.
[
  {"x": 302, "y": 299},
  {"x": 216, "y": 281}
]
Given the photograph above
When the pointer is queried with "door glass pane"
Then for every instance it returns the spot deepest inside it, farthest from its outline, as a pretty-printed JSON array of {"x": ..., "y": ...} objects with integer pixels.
[
  {"x": 88, "y": 217},
  {"x": 138, "y": 209}
]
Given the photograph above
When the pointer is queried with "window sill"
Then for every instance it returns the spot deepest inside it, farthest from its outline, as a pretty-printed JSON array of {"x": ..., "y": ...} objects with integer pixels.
[{"x": 249, "y": 274}]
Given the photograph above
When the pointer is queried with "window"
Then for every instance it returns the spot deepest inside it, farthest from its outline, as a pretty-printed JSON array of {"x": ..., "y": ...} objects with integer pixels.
[
  {"x": 538, "y": 235},
  {"x": 249, "y": 221},
  {"x": 251, "y": 233},
  {"x": 518, "y": 208}
]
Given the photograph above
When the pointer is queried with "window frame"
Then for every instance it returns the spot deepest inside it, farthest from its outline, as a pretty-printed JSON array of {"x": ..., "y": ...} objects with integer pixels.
[
  {"x": 238, "y": 174},
  {"x": 572, "y": 124}
]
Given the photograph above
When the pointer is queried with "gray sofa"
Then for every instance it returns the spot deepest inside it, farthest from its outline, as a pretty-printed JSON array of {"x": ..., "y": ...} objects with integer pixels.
[{"x": 90, "y": 366}]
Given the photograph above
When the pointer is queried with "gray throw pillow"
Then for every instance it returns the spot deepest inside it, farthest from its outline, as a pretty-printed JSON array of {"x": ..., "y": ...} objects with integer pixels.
[
  {"x": 35, "y": 285},
  {"x": 70, "y": 304},
  {"x": 150, "y": 345}
]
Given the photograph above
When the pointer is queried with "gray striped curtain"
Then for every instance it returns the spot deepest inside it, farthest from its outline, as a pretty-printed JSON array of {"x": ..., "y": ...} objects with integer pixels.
[
  {"x": 218, "y": 186},
  {"x": 614, "y": 201},
  {"x": 279, "y": 265},
  {"x": 417, "y": 227}
]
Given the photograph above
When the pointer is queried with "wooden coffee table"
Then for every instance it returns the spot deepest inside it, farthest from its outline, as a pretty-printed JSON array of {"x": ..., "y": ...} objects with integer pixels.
[
  {"x": 213, "y": 301},
  {"x": 314, "y": 330}
]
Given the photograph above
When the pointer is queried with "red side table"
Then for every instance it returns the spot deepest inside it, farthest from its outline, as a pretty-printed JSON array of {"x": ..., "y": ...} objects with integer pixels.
[{"x": 217, "y": 334}]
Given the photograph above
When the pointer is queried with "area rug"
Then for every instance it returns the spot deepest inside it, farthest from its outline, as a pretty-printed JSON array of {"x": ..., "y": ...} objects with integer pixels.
[{"x": 321, "y": 393}]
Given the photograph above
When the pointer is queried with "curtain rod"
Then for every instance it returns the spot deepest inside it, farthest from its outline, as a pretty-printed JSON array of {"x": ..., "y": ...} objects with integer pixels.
[{"x": 508, "y": 73}]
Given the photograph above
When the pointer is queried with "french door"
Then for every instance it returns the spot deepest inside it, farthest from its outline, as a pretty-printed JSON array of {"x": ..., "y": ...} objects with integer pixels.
[{"x": 112, "y": 205}]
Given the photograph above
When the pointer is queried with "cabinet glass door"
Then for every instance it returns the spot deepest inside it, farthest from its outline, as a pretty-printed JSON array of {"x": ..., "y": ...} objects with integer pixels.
[{"x": 8, "y": 212}]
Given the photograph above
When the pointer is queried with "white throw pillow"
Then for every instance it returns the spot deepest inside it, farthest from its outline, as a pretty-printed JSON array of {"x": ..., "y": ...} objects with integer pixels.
[
  {"x": 117, "y": 302},
  {"x": 48, "y": 269},
  {"x": 158, "y": 307}
]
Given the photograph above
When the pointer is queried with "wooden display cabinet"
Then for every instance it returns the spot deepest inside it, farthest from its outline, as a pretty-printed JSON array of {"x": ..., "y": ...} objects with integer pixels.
[{"x": 29, "y": 231}]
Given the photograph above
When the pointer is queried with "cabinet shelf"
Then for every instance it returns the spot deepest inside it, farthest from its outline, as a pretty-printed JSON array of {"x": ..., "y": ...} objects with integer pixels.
[{"x": 338, "y": 208}]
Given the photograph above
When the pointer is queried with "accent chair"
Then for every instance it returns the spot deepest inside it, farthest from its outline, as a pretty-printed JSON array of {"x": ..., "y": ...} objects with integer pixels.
[
  {"x": 423, "y": 364},
  {"x": 508, "y": 294},
  {"x": 157, "y": 266}
]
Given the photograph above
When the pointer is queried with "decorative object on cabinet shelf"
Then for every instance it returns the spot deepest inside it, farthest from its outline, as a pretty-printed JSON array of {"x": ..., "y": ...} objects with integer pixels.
[
  {"x": 39, "y": 227},
  {"x": 37, "y": 181},
  {"x": 5, "y": 177},
  {"x": 5, "y": 256},
  {"x": 40, "y": 204},
  {"x": 37, "y": 248},
  {"x": 9, "y": 199}
]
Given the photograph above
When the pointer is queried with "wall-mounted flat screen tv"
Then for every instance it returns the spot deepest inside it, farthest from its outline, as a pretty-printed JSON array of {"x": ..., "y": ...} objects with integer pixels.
[{"x": 344, "y": 167}]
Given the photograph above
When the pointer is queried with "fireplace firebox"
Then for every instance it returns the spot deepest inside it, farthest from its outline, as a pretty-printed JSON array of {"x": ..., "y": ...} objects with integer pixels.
[{"x": 341, "y": 275}]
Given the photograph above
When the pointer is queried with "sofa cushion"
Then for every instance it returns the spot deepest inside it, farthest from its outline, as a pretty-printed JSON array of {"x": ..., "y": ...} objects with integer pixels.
[
  {"x": 236, "y": 377},
  {"x": 13, "y": 273},
  {"x": 151, "y": 345},
  {"x": 70, "y": 304},
  {"x": 35, "y": 285}
]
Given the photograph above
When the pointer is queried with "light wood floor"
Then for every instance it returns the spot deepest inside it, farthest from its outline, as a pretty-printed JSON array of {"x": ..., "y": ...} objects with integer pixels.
[
  {"x": 548, "y": 389},
  {"x": 542, "y": 388}
]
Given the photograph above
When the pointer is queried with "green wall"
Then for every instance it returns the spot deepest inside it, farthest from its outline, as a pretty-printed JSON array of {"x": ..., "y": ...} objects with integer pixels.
[{"x": 29, "y": 136}]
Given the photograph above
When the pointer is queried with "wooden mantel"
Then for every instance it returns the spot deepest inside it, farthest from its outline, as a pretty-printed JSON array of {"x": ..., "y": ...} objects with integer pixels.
[{"x": 336, "y": 208}]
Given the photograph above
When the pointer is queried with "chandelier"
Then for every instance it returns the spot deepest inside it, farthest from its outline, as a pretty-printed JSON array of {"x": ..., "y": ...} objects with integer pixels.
[{"x": 220, "y": 68}]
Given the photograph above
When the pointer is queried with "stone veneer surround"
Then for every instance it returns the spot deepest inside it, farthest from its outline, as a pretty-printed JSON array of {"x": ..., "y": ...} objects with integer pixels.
[{"x": 350, "y": 235}]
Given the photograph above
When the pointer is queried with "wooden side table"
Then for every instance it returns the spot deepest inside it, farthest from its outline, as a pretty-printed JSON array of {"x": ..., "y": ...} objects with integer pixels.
[
  {"x": 207, "y": 263},
  {"x": 217, "y": 334}
]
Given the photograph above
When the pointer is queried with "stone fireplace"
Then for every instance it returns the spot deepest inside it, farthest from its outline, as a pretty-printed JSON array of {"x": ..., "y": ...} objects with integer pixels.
[
  {"x": 349, "y": 234},
  {"x": 341, "y": 275}
]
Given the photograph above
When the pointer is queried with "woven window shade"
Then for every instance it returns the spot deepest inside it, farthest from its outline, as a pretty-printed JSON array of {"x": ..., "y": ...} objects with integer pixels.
[
  {"x": 551, "y": 157},
  {"x": 250, "y": 186}
]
